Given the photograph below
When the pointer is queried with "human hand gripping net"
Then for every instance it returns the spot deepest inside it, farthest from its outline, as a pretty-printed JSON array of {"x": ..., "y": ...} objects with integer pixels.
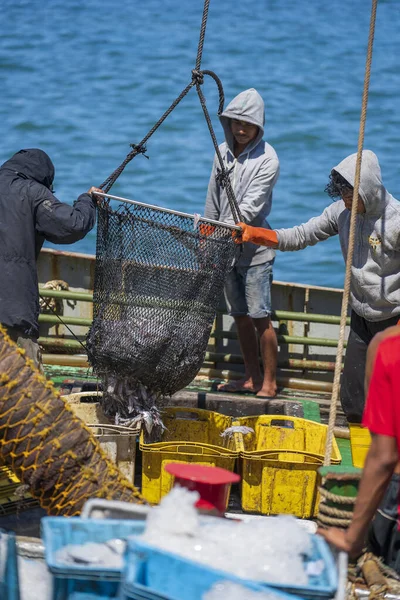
[{"x": 158, "y": 281}]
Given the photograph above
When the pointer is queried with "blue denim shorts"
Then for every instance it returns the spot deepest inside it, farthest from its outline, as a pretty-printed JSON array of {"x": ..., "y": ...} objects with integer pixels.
[{"x": 248, "y": 291}]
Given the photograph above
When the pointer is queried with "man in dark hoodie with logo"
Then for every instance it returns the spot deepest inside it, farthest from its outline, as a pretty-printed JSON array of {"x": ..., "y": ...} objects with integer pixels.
[
  {"x": 375, "y": 274},
  {"x": 253, "y": 167},
  {"x": 29, "y": 215}
]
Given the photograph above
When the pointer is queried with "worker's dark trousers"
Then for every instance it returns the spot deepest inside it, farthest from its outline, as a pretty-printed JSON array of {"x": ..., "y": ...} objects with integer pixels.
[
  {"x": 352, "y": 386},
  {"x": 384, "y": 535}
]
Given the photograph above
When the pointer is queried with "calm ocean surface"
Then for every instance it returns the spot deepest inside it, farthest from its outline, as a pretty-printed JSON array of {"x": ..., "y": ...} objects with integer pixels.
[{"x": 82, "y": 79}]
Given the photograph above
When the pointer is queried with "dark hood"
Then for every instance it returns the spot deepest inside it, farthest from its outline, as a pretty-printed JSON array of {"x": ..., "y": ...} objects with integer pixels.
[{"x": 32, "y": 163}]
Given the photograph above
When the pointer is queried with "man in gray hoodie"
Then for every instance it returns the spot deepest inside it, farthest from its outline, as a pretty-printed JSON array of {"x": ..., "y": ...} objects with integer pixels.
[
  {"x": 253, "y": 168},
  {"x": 375, "y": 273}
]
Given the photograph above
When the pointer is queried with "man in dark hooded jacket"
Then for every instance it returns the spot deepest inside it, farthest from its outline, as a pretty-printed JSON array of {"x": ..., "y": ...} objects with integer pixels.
[{"x": 29, "y": 215}]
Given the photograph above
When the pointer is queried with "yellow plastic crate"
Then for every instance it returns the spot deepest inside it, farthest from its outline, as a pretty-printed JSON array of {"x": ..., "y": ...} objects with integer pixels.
[
  {"x": 7, "y": 474},
  {"x": 279, "y": 464},
  {"x": 9, "y": 483},
  {"x": 192, "y": 435},
  {"x": 360, "y": 441},
  {"x": 10, "y": 488}
]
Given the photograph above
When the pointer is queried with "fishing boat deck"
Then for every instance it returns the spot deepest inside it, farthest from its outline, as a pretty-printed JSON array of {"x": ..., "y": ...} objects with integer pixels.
[{"x": 307, "y": 324}]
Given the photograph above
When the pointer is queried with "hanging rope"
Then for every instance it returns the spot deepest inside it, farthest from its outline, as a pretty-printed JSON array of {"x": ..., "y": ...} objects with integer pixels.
[
  {"x": 197, "y": 81},
  {"x": 349, "y": 259},
  {"x": 202, "y": 34},
  {"x": 223, "y": 175}
]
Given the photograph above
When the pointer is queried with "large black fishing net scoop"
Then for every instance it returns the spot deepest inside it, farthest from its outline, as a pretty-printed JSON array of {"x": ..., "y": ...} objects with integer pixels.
[
  {"x": 158, "y": 281},
  {"x": 159, "y": 277}
]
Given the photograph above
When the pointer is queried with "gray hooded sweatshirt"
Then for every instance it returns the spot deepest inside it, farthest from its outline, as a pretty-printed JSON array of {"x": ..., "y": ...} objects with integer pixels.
[
  {"x": 253, "y": 175},
  {"x": 375, "y": 274}
]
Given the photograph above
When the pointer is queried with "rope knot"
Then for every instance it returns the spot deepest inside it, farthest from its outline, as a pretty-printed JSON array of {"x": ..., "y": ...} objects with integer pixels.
[
  {"x": 222, "y": 177},
  {"x": 139, "y": 149},
  {"x": 197, "y": 77}
]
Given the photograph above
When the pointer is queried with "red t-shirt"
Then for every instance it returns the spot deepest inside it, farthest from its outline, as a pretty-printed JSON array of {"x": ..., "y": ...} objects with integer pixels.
[{"x": 382, "y": 410}]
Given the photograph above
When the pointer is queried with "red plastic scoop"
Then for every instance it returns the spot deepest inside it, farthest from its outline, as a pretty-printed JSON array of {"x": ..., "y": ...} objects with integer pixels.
[{"x": 212, "y": 483}]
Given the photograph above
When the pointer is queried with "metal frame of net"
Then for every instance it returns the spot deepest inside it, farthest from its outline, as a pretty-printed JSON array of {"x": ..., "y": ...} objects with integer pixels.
[{"x": 158, "y": 282}]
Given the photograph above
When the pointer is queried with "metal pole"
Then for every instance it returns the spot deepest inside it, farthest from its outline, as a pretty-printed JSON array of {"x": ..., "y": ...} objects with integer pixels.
[
  {"x": 66, "y": 295},
  {"x": 289, "y": 382},
  {"x": 285, "y": 315},
  {"x": 290, "y": 363},
  {"x": 66, "y": 360},
  {"x": 284, "y": 339},
  {"x": 63, "y": 343},
  {"x": 53, "y": 319},
  {"x": 168, "y": 210}
]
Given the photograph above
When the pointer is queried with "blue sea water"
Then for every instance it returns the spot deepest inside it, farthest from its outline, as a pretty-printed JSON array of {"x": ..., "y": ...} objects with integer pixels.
[{"x": 82, "y": 79}]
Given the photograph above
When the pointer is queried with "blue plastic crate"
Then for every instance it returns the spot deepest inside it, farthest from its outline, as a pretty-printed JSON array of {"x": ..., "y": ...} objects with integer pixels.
[
  {"x": 58, "y": 532},
  {"x": 9, "y": 582},
  {"x": 134, "y": 583},
  {"x": 152, "y": 574},
  {"x": 141, "y": 592},
  {"x": 83, "y": 596},
  {"x": 82, "y": 589}
]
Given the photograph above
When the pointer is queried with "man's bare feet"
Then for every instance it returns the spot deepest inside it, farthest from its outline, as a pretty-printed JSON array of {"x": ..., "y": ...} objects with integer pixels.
[
  {"x": 241, "y": 385},
  {"x": 267, "y": 392}
]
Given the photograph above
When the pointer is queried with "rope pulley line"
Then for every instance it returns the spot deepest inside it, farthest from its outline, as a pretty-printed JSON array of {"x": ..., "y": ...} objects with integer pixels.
[{"x": 196, "y": 81}]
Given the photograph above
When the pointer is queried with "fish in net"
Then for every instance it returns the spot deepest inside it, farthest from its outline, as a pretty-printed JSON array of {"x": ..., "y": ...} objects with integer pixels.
[{"x": 158, "y": 281}]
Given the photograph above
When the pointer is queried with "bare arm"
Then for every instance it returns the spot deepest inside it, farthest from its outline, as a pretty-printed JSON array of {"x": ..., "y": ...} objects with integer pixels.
[
  {"x": 378, "y": 469},
  {"x": 380, "y": 418}
]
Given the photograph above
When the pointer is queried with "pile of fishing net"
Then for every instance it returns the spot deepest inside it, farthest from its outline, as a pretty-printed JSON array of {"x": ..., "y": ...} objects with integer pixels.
[
  {"x": 158, "y": 281},
  {"x": 51, "y": 450}
]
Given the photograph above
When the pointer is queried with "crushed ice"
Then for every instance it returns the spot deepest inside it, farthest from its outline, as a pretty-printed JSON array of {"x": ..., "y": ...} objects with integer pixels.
[
  {"x": 176, "y": 515},
  {"x": 35, "y": 580},
  {"x": 265, "y": 550},
  {"x": 108, "y": 554}
]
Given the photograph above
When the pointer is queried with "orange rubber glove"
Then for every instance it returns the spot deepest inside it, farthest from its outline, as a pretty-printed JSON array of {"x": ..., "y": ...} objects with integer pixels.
[{"x": 256, "y": 235}]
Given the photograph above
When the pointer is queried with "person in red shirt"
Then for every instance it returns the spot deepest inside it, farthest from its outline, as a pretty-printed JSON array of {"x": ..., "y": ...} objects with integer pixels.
[{"x": 382, "y": 418}]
